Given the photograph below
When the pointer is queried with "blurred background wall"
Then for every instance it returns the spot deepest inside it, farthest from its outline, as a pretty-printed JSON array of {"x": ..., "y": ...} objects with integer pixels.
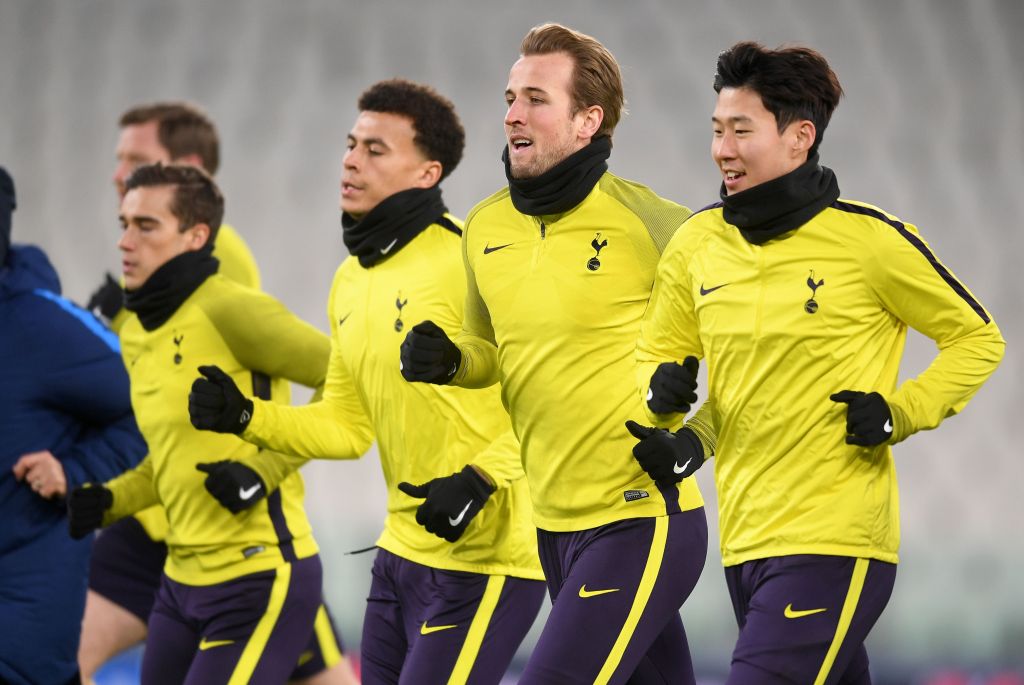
[{"x": 932, "y": 130}]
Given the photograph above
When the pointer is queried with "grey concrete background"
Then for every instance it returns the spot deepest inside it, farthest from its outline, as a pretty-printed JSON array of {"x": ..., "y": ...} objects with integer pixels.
[{"x": 930, "y": 130}]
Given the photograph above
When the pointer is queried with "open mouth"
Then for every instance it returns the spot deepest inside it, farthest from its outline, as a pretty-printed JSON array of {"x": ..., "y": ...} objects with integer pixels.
[{"x": 518, "y": 143}]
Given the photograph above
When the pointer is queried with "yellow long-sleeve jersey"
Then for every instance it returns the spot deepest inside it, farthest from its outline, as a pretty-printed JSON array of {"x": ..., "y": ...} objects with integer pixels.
[
  {"x": 553, "y": 313},
  {"x": 238, "y": 264},
  {"x": 249, "y": 335},
  {"x": 785, "y": 324},
  {"x": 422, "y": 431}
]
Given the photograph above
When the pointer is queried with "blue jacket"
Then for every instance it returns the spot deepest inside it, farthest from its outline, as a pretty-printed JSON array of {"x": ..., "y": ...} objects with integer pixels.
[{"x": 63, "y": 388}]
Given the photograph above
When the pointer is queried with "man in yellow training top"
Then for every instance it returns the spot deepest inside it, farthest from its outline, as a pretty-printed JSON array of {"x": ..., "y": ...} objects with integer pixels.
[
  {"x": 800, "y": 301},
  {"x": 560, "y": 265},
  {"x": 128, "y": 558},
  {"x": 241, "y": 586},
  {"x": 452, "y": 602}
]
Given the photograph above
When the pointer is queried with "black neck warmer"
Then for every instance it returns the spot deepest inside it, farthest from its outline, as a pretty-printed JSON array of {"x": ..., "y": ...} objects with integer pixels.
[
  {"x": 393, "y": 223},
  {"x": 782, "y": 204},
  {"x": 169, "y": 286},
  {"x": 564, "y": 185}
]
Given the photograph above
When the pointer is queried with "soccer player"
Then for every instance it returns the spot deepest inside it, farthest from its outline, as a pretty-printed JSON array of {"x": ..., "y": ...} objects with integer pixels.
[
  {"x": 800, "y": 302},
  {"x": 65, "y": 418},
  {"x": 129, "y": 556},
  {"x": 449, "y": 604},
  {"x": 560, "y": 265},
  {"x": 242, "y": 581}
]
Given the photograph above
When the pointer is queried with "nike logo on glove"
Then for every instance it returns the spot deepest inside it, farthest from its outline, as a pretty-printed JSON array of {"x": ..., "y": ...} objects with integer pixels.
[
  {"x": 677, "y": 469},
  {"x": 458, "y": 519},
  {"x": 888, "y": 426},
  {"x": 247, "y": 493}
]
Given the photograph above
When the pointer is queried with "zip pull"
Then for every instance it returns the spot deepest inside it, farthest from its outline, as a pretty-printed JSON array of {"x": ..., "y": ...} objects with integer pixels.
[{"x": 543, "y": 230}]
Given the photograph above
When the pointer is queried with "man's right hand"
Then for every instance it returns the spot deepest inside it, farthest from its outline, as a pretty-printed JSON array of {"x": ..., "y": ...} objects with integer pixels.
[
  {"x": 86, "y": 506},
  {"x": 672, "y": 387},
  {"x": 216, "y": 404},
  {"x": 666, "y": 457},
  {"x": 428, "y": 355}
]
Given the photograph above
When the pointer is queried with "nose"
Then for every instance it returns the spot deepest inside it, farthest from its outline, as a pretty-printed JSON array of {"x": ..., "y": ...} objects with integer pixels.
[
  {"x": 350, "y": 160},
  {"x": 723, "y": 147},
  {"x": 515, "y": 114},
  {"x": 126, "y": 243}
]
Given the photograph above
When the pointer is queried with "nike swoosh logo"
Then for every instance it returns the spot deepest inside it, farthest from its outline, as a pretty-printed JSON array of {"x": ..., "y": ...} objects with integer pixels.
[
  {"x": 677, "y": 469},
  {"x": 458, "y": 519},
  {"x": 385, "y": 250},
  {"x": 427, "y": 630},
  {"x": 247, "y": 493},
  {"x": 488, "y": 249},
  {"x": 344, "y": 318},
  {"x": 584, "y": 592},
  {"x": 650, "y": 394},
  {"x": 888, "y": 426},
  {"x": 708, "y": 291},
  {"x": 790, "y": 612},
  {"x": 205, "y": 644}
]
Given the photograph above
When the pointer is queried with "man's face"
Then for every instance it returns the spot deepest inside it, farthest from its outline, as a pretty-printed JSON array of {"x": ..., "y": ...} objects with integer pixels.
[
  {"x": 137, "y": 145},
  {"x": 540, "y": 127},
  {"x": 151, "y": 236},
  {"x": 747, "y": 145},
  {"x": 382, "y": 160}
]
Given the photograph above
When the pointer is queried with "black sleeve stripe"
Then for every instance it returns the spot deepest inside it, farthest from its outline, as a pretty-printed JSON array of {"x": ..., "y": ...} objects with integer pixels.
[{"x": 914, "y": 240}]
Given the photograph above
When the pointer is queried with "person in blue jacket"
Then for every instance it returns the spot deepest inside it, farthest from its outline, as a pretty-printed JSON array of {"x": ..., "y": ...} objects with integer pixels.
[{"x": 65, "y": 419}]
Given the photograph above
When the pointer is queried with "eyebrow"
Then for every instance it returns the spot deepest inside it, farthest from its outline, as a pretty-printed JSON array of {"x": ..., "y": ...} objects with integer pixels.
[
  {"x": 528, "y": 89},
  {"x": 369, "y": 141},
  {"x": 736, "y": 119}
]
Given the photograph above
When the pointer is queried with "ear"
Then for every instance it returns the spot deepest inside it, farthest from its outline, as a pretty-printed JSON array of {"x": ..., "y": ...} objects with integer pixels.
[
  {"x": 590, "y": 121},
  {"x": 804, "y": 135},
  {"x": 191, "y": 159},
  {"x": 430, "y": 174},
  {"x": 199, "y": 235}
]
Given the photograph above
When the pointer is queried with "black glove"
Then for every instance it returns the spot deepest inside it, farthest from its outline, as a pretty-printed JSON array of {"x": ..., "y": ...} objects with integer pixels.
[
  {"x": 672, "y": 387},
  {"x": 108, "y": 299},
  {"x": 428, "y": 356},
  {"x": 451, "y": 502},
  {"x": 86, "y": 506},
  {"x": 666, "y": 457},
  {"x": 216, "y": 403},
  {"x": 868, "y": 417},
  {"x": 236, "y": 486}
]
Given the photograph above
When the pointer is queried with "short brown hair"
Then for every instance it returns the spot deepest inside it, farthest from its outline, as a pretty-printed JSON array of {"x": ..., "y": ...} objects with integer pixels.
[
  {"x": 182, "y": 128},
  {"x": 794, "y": 83},
  {"x": 197, "y": 199},
  {"x": 438, "y": 132},
  {"x": 596, "y": 78}
]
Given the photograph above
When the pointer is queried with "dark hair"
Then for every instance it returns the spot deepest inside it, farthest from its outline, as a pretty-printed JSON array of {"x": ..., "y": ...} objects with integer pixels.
[
  {"x": 197, "y": 199},
  {"x": 438, "y": 132},
  {"x": 182, "y": 128},
  {"x": 596, "y": 78},
  {"x": 794, "y": 83}
]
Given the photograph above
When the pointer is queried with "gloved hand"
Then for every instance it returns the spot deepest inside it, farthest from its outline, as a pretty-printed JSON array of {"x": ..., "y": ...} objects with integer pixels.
[
  {"x": 868, "y": 417},
  {"x": 428, "y": 356},
  {"x": 86, "y": 506},
  {"x": 108, "y": 299},
  {"x": 450, "y": 502},
  {"x": 666, "y": 457},
  {"x": 235, "y": 485},
  {"x": 216, "y": 403},
  {"x": 672, "y": 387}
]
